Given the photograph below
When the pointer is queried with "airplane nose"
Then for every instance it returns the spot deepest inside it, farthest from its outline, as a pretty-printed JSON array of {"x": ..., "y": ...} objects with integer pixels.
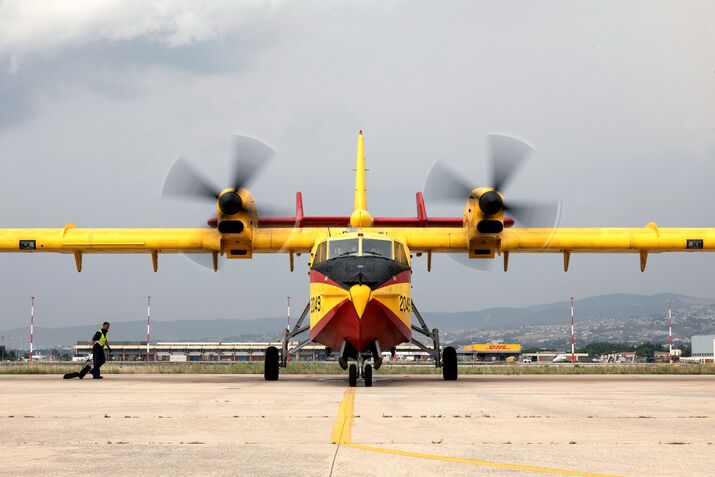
[{"x": 359, "y": 296}]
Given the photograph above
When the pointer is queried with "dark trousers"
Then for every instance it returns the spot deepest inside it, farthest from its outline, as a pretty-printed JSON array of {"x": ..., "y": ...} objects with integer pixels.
[{"x": 98, "y": 360}]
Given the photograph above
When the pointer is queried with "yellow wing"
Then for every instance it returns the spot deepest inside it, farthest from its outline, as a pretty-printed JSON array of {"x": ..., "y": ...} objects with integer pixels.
[
  {"x": 80, "y": 241},
  {"x": 650, "y": 238},
  {"x": 238, "y": 232},
  {"x": 640, "y": 240}
]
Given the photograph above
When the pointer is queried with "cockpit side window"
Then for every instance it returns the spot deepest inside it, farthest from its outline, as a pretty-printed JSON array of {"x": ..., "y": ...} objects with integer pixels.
[
  {"x": 337, "y": 248},
  {"x": 400, "y": 255},
  {"x": 320, "y": 255},
  {"x": 382, "y": 248}
]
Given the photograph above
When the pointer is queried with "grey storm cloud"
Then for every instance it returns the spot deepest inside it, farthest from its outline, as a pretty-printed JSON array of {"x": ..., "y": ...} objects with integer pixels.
[
  {"x": 97, "y": 101},
  {"x": 46, "y": 55},
  {"x": 103, "y": 67},
  {"x": 16, "y": 100}
]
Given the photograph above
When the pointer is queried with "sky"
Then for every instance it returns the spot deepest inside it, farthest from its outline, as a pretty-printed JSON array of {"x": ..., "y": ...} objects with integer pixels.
[{"x": 98, "y": 99}]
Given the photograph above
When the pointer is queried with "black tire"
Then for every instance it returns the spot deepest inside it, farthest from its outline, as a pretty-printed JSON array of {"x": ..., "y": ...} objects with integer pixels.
[
  {"x": 270, "y": 365},
  {"x": 449, "y": 364},
  {"x": 83, "y": 372},
  {"x": 352, "y": 376},
  {"x": 367, "y": 374}
]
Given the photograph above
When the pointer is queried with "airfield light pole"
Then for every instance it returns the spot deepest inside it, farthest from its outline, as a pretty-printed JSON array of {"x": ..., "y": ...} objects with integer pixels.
[
  {"x": 573, "y": 354},
  {"x": 670, "y": 332},
  {"x": 288, "y": 325},
  {"x": 32, "y": 323},
  {"x": 148, "y": 326}
]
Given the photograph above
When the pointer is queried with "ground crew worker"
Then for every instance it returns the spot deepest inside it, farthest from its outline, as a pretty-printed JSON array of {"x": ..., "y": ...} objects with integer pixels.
[{"x": 99, "y": 342}]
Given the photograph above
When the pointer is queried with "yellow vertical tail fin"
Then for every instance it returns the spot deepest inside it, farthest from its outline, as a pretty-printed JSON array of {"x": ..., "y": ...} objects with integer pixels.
[
  {"x": 360, "y": 186},
  {"x": 360, "y": 216}
]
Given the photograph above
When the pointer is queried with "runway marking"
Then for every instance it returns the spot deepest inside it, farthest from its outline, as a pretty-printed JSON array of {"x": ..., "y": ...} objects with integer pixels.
[
  {"x": 342, "y": 436},
  {"x": 482, "y": 463},
  {"x": 342, "y": 430}
]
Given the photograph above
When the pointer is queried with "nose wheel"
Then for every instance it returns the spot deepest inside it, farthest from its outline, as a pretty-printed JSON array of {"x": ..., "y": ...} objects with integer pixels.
[
  {"x": 352, "y": 375},
  {"x": 367, "y": 375},
  {"x": 360, "y": 370}
]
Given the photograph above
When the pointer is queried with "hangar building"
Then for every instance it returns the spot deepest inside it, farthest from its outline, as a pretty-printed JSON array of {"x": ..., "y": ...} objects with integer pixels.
[
  {"x": 703, "y": 347},
  {"x": 133, "y": 351},
  {"x": 492, "y": 351}
]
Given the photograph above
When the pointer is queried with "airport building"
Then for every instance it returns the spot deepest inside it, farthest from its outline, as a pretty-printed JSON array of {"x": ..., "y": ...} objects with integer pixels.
[
  {"x": 221, "y": 351},
  {"x": 488, "y": 352},
  {"x": 553, "y": 357},
  {"x": 703, "y": 348},
  {"x": 195, "y": 351}
]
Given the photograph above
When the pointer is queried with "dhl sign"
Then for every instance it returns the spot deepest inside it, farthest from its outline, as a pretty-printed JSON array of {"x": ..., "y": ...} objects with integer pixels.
[{"x": 494, "y": 348}]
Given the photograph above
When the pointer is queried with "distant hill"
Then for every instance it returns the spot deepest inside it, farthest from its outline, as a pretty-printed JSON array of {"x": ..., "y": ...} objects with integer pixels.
[
  {"x": 177, "y": 330},
  {"x": 627, "y": 310},
  {"x": 620, "y": 305}
]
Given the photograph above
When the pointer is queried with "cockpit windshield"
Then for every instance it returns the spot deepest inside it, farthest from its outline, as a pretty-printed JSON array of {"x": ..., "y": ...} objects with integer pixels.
[
  {"x": 340, "y": 248},
  {"x": 382, "y": 248},
  {"x": 344, "y": 247}
]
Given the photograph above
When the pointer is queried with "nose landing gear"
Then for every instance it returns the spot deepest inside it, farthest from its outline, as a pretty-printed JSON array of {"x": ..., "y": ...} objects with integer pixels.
[
  {"x": 367, "y": 375},
  {"x": 352, "y": 376},
  {"x": 360, "y": 370}
]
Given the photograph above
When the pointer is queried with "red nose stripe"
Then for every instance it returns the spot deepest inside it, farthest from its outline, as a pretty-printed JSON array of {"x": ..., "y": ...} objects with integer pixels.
[
  {"x": 317, "y": 277},
  {"x": 377, "y": 323},
  {"x": 402, "y": 277}
]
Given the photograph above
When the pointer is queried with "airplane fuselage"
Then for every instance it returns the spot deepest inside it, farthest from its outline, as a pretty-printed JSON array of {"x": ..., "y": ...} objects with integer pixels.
[{"x": 360, "y": 294}]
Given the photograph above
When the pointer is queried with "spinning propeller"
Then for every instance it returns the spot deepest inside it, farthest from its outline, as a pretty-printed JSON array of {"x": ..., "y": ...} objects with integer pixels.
[
  {"x": 249, "y": 158},
  {"x": 506, "y": 155}
]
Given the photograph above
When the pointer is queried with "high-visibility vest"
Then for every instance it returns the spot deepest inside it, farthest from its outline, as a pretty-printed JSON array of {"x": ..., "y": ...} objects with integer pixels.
[{"x": 102, "y": 341}]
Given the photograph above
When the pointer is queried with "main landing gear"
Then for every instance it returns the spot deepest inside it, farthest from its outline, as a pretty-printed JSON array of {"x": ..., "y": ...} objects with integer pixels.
[
  {"x": 275, "y": 359},
  {"x": 447, "y": 359}
]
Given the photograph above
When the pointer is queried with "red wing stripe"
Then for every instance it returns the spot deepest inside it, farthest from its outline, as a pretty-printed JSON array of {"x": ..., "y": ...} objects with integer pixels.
[
  {"x": 417, "y": 222},
  {"x": 307, "y": 221},
  {"x": 344, "y": 221}
]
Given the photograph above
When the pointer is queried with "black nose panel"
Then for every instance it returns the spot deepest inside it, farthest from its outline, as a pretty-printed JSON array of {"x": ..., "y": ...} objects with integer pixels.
[{"x": 370, "y": 271}]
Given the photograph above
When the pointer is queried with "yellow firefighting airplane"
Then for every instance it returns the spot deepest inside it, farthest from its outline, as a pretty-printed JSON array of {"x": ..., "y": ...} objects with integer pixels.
[{"x": 360, "y": 266}]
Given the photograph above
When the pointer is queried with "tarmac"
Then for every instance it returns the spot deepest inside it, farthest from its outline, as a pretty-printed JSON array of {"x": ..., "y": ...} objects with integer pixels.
[{"x": 315, "y": 425}]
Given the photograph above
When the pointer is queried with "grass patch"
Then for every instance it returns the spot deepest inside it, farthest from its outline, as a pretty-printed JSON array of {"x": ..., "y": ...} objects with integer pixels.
[{"x": 387, "y": 369}]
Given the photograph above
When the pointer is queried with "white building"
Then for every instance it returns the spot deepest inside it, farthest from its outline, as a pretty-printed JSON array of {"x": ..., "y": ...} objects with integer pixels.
[{"x": 703, "y": 347}]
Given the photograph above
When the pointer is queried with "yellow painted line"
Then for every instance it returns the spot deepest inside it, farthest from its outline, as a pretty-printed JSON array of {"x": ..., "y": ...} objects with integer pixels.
[
  {"x": 342, "y": 435},
  {"x": 343, "y": 425},
  {"x": 482, "y": 463}
]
